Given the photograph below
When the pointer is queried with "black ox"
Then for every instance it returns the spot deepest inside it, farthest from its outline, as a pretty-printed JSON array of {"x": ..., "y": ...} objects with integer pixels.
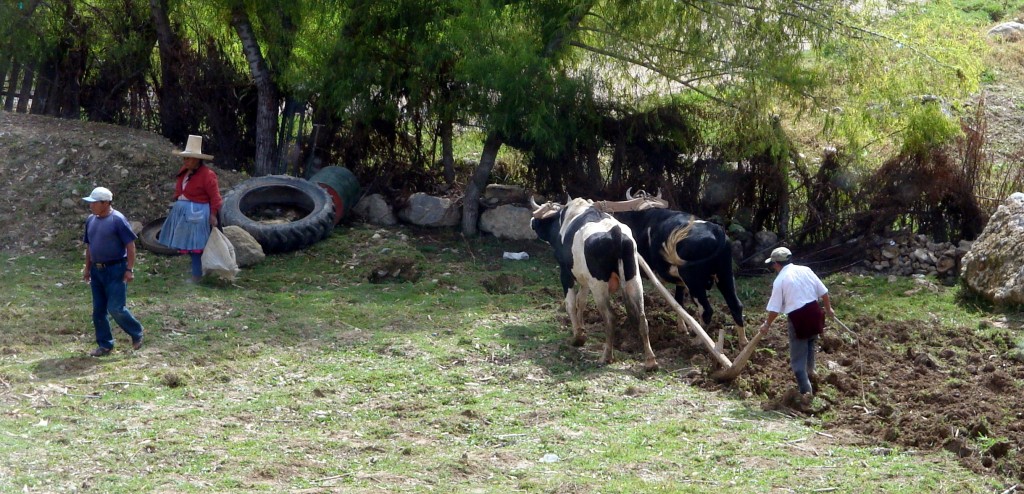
[
  {"x": 692, "y": 254},
  {"x": 598, "y": 255}
]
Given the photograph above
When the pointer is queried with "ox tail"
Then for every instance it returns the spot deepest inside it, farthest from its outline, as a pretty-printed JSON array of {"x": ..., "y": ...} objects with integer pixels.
[
  {"x": 629, "y": 275},
  {"x": 615, "y": 279},
  {"x": 669, "y": 249},
  {"x": 626, "y": 254}
]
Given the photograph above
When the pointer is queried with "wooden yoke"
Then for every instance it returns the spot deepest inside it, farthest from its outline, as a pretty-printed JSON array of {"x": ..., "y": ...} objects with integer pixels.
[{"x": 638, "y": 204}]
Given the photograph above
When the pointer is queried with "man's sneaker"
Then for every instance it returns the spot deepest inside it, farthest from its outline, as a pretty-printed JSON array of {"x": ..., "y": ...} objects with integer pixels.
[
  {"x": 137, "y": 344},
  {"x": 806, "y": 401},
  {"x": 100, "y": 352}
]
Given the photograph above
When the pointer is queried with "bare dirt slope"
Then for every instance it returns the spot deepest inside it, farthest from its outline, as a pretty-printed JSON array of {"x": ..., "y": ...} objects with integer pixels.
[{"x": 47, "y": 165}]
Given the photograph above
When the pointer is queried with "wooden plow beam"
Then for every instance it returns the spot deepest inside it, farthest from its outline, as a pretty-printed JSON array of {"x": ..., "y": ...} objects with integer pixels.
[{"x": 729, "y": 369}]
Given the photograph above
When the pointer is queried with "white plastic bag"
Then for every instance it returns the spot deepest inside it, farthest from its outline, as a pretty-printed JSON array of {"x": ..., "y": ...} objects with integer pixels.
[{"x": 219, "y": 256}]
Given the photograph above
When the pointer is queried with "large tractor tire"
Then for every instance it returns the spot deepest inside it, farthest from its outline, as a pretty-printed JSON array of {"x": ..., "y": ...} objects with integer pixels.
[
  {"x": 148, "y": 238},
  {"x": 252, "y": 205}
]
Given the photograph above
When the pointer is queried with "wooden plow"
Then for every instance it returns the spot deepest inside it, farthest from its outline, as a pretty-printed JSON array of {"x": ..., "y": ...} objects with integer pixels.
[{"x": 729, "y": 369}]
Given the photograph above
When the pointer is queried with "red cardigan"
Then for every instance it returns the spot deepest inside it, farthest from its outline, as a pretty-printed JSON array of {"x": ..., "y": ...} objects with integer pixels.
[{"x": 202, "y": 187}]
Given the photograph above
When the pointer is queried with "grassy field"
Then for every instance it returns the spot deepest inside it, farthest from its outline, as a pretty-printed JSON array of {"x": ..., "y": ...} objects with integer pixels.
[{"x": 456, "y": 376}]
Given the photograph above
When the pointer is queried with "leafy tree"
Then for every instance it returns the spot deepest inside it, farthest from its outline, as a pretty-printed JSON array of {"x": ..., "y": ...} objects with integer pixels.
[
  {"x": 268, "y": 93},
  {"x": 174, "y": 123},
  {"x": 542, "y": 75},
  {"x": 116, "y": 85},
  {"x": 386, "y": 69},
  {"x": 511, "y": 59},
  {"x": 569, "y": 83},
  {"x": 19, "y": 40}
]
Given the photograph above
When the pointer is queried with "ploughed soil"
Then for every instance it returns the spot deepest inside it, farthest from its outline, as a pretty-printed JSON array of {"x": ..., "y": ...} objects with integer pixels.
[
  {"x": 910, "y": 385},
  {"x": 906, "y": 385}
]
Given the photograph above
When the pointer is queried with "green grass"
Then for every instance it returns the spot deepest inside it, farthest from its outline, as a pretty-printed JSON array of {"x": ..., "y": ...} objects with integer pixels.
[
  {"x": 990, "y": 10},
  {"x": 302, "y": 375}
]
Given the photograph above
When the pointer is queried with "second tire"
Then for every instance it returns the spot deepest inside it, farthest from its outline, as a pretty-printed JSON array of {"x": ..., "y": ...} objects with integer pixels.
[{"x": 311, "y": 204}]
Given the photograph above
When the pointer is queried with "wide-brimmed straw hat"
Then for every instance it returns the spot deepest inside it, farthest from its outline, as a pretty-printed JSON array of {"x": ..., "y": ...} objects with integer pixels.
[{"x": 194, "y": 149}]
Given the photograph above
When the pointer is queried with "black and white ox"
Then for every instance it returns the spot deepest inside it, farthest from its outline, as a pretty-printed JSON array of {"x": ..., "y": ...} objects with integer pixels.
[
  {"x": 598, "y": 255},
  {"x": 691, "y": 253}
]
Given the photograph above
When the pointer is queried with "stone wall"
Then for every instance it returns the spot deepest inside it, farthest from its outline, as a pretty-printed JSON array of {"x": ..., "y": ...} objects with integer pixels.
[{"x": 906, "y": 254}]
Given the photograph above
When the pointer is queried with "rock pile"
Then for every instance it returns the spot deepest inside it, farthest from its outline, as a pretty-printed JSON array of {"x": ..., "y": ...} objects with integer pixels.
[
  {"x": 906, "y": 254},
  {"x": 504, "y": 211}
]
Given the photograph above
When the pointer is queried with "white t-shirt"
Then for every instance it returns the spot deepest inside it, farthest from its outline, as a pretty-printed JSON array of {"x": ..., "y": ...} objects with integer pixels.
[{"x": 795, "y": 287}]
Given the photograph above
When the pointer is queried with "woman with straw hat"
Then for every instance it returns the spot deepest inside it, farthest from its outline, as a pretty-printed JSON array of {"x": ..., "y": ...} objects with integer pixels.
[{"x": 196, "y": 204}]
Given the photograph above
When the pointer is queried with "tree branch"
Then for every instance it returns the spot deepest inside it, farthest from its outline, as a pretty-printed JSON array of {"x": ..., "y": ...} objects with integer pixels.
[
  {"x": 889, "y": 38},
  {"x": 648, "y": 66}
]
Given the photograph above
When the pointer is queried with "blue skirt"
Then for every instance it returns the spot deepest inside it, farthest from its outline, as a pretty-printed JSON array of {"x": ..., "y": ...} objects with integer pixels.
[{"x": 187, "y": 227}]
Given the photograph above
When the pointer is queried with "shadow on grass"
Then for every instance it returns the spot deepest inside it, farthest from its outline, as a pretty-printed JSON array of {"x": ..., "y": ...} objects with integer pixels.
[
  {"x": 62, "y": 368},
  {"x": 553, "y": 351}
]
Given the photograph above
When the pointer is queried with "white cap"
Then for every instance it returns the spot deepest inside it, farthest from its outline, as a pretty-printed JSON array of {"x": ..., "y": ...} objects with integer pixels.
[
  {"x": 780, "y": 254},
  {"x": 99, "y": 194}
]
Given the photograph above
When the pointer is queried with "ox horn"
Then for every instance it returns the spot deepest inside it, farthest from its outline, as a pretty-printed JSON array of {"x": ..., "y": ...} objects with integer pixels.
[
  {"x": 629, "y": 195},
  {"x": 533, "y": 203},
  {"x": 659, "y": 193}
]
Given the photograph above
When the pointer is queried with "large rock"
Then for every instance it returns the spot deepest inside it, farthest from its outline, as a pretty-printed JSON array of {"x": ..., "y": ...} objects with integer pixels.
[
  {"x": 994, "y": 267},
  {"x": 426, "y": 210},
  {"x": 1013, "y": 30},
  {"x": 248, "y": 251},
  {"x": 375, "y": 210},
  {"x": 766, "y": 239},
  {"x": 508, "y": 221},
  {"x": 737, "y": 251}
]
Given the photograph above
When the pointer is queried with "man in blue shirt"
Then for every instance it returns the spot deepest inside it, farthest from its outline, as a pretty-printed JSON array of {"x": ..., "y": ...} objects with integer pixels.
[{"x": 109, "y": 267}]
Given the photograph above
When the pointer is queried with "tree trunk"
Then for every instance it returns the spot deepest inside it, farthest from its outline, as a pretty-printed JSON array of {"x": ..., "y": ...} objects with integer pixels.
[
  {"x": 447, "y": 152},
  {"x": 12, "y": 85},
  {"x": 44, "y": 83},
  {"x": 73, "y": 55},
  {"x": 7, "y": 63},
  {"x": 71, "y": 90},
  {"x": 53, "y": 96},
  {"x": 784, "y": 207},
  {"x": 267, "y": 95},
  {"x": 475, "y": 187},
  {"x": 26, "y": 89},
  {"x": 169, "y": 91},
  {"x": 289, "y": 153}
]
